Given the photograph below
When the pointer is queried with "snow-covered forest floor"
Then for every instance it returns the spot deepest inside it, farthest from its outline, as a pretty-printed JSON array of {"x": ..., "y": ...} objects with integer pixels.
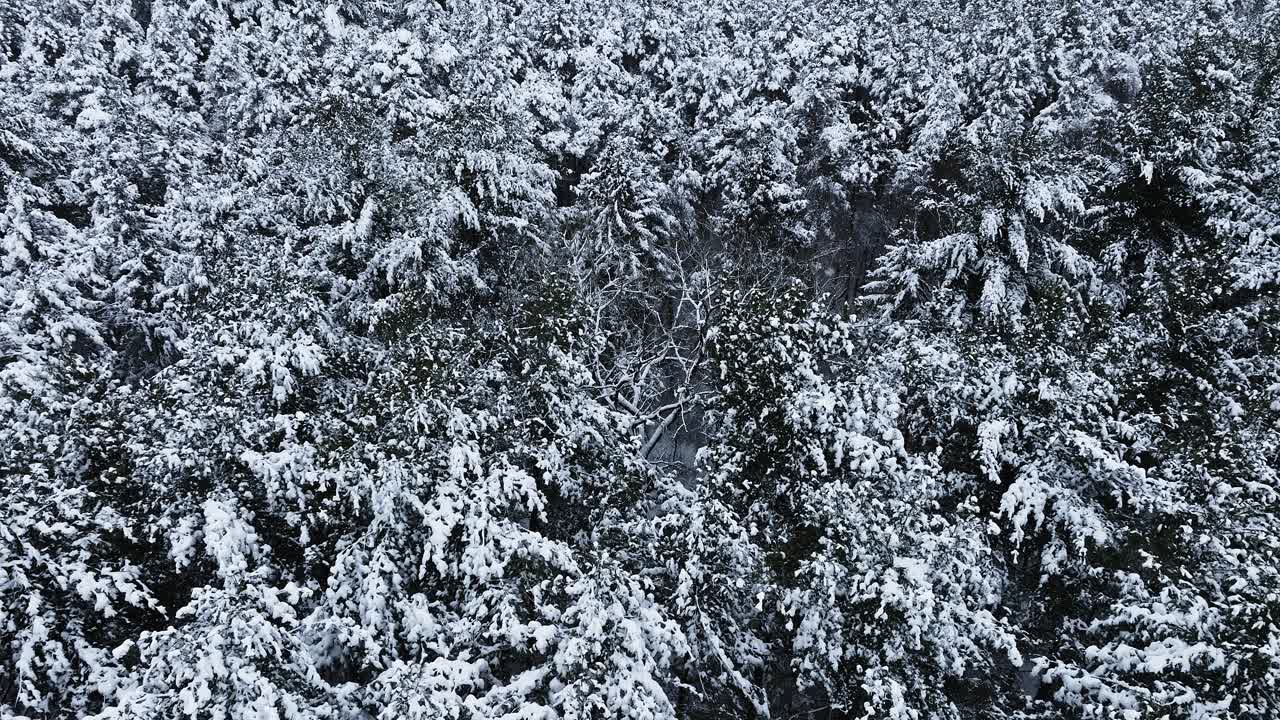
[{"x": 662, "y": 360}]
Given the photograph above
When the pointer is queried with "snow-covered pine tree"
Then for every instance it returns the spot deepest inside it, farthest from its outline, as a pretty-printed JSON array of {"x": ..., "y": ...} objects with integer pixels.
[{"x": 463, "y": 359}]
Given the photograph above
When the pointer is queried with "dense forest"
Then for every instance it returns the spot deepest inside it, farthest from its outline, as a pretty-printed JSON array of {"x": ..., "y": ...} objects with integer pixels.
[{"x": 660, "y": 360}]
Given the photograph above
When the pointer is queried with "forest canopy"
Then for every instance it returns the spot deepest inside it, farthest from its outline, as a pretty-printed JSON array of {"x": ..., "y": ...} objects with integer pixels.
[{"x": 660, "y": 360}]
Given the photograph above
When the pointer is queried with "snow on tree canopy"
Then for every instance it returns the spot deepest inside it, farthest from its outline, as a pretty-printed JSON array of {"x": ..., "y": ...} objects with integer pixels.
[{"x": 496, "y": 360}]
